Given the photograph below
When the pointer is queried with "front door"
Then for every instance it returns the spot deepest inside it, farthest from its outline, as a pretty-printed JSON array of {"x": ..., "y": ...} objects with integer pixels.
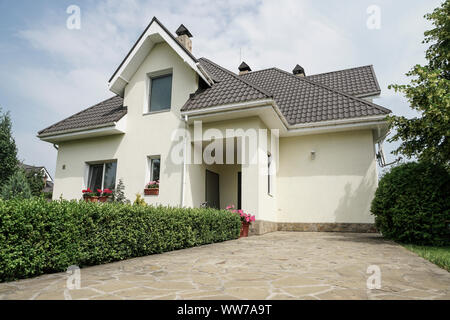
[
  {"x": 239, "y": 188},
  {"x": 212, "y": 190}
]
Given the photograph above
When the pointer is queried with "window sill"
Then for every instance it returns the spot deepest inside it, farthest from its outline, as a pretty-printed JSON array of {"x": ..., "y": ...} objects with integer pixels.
[{"x": 155, "y": 112}]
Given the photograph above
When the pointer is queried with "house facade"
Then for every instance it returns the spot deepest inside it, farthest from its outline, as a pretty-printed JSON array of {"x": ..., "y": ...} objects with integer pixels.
[{"x": 296, "y": 151}]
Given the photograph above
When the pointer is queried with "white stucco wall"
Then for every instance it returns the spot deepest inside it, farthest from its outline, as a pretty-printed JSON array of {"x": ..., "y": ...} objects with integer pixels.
[
  {"x": 146, "y": 135},
  {"x": 337, "y": 186}
]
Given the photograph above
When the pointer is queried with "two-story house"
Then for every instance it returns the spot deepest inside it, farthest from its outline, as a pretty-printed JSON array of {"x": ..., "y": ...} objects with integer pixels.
[{"x": 296, "y": 150}]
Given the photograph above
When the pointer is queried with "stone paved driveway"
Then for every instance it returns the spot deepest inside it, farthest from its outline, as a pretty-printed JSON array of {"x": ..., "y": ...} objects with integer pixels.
[{"x": 280, "y": 265}]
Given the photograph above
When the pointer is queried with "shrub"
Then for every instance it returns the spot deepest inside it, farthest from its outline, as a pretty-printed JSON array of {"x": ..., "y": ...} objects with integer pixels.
[
  {"x": 35, "y": 179},
  {"x": 38, "y": 237},
  {"x": 17, "y": 186},
  {"x": 412, "y": 204}
]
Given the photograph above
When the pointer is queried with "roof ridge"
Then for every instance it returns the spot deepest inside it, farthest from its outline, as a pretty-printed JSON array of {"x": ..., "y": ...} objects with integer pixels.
[
  {"x": 336, "y": 71},
  {"x": 268, "y": 94},
  {"x": 335, "y": 91},
  {"x": 253, "y": 72},
  {"x": 84, "y": 110}
]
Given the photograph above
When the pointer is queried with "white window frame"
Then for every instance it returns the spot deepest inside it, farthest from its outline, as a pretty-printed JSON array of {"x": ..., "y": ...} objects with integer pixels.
[
  {"x": 148, "y": 91},
  {"x": 149, "y": 176},
  {"x": 87, "y": 171}
]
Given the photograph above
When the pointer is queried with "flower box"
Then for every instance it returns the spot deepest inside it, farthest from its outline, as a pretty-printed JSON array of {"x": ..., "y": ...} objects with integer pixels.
[
  {"x": 91, "y": 198},
  {"x": 151, "y": 191},
  {"x": 103, "y": 198}
]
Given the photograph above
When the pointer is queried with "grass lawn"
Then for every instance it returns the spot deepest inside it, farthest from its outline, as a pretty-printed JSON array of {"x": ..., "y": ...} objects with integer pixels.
[{"x": 438, "y": 255}]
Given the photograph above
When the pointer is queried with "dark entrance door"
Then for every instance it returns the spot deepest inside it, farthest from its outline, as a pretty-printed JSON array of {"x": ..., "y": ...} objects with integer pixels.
[
  {"x": 239, "y": 188},
  {"x": 212, "y": 190}
]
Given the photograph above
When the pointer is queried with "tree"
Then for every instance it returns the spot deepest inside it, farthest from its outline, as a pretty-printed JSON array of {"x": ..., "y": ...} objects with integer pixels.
[
  {"x": 16, "y": 186},
  {"x": 119, "y": 194},
  {"x": 428, "y": 137},
  {"x": 8, "y": 149},
  {"x": 36, "y": 181}
]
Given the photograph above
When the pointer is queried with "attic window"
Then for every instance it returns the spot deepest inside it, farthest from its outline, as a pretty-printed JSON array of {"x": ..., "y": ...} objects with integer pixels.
[{"x": 160, "y": 93}]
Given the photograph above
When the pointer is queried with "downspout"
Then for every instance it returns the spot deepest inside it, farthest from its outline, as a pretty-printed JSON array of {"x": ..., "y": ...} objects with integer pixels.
[{"x": 183, "y": 181}]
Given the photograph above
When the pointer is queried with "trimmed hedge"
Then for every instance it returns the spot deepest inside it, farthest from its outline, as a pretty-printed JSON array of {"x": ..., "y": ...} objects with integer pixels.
[
  {"x": 412, "y": 204},
  {"x": 39, "y": 237}
]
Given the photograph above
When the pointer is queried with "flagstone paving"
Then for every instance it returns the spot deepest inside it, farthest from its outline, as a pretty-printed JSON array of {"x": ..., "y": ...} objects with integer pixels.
[{"x": 280, "y": 265}]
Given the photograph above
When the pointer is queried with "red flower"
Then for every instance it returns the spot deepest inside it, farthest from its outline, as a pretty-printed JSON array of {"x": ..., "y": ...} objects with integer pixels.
[
  {"x": 108, "y": 191},
  {"x": 99, "y": 190}
]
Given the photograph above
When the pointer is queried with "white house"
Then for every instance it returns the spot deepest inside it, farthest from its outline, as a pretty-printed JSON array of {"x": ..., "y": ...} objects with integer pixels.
[{"x": 210, "y": 135}]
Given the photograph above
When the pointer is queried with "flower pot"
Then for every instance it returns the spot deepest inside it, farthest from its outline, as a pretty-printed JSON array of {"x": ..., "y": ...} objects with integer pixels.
[
  {"x": 91, "y": 199},
  {"x": 244, "y": 229},
  {"x": 151, "y": 192},
  {"x": 103, "y": 199}
]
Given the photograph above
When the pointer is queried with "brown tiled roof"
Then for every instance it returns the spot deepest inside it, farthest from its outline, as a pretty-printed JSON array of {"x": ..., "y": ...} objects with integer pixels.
[
  {"x": 300, "y": 100},
  {"x": 303, "y": 101},
  {"x": 321, "y": 97},
  {"x": 228, "y": 88},
  {"x": 358, "y": 82},
  {"x": 102, "y": 113}
]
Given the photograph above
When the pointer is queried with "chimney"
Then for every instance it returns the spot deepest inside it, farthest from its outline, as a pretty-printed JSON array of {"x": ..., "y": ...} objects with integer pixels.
[
  {"x": 299, "y": 71},
  {"x": 244, "y": 68},
  {"x": 184, "y": 37}
]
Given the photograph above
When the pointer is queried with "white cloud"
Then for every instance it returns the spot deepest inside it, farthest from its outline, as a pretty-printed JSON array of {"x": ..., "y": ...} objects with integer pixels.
[{"x": 60, "y": 93}]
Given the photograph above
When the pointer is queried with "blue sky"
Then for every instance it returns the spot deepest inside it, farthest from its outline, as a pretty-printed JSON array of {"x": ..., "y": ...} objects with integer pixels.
[{"x": 48, "y": 72}]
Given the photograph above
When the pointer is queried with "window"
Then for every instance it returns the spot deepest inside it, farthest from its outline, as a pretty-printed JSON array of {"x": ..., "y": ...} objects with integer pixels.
[
  {"x": 155, "y": 163},
  {"x": 102, "y": 176},
  {"x": 269, "y": 175},
  {"x": 160, "y": 93}
]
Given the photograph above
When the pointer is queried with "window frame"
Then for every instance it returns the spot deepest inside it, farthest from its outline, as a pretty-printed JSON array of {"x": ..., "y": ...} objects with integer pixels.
[
  {"x": 149, "y": 173},
  {"x": 151, "y": 77},
  {"x": 103, "y": 163}
]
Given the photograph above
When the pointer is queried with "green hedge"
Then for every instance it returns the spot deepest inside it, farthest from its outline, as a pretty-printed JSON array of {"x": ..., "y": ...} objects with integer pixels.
[
  {"x": 39, "y": 237},
  {"x": 412, "y": 204}
]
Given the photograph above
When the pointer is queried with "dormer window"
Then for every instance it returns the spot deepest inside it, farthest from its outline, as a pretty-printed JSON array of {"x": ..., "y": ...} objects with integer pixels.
[{"x": 160, "y": 93}]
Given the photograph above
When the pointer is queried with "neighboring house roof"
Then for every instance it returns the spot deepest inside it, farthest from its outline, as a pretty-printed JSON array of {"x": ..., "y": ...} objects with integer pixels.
[
  {"x": 358, "y": 82},
  {"x": 28, "y": 167},
  {"x": 299, "y": 99},
  {"x": 101, "y": 114}
]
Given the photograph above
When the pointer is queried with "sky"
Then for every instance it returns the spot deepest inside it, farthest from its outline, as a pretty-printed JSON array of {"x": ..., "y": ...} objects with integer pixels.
[{"x": 49, "y": 72}]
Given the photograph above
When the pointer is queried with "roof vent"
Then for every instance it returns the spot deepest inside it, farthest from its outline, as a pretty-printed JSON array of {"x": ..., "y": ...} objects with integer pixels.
[
  {"x": 183, "y": 37},
  {"x": 244, "y": 68},
  {"x": 299, "y": 71}
]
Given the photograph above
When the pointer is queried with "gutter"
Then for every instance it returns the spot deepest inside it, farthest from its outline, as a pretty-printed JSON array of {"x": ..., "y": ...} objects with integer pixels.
[
  {"x": 287, "y": 126},
  {"x": 61, "y": 132},
  {"x": 185, "y": 147}
]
